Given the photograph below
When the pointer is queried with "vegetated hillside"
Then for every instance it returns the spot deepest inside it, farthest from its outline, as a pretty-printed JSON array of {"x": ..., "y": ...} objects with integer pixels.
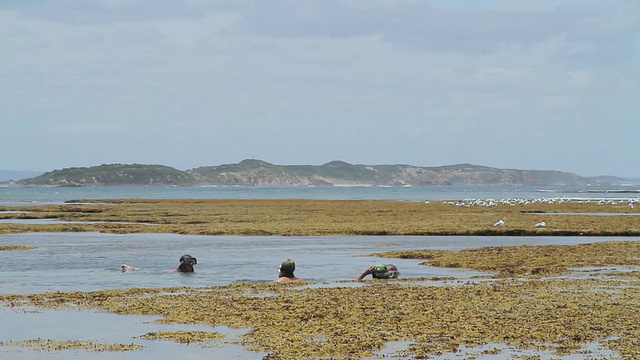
[
  {"x": 112, "y": 175},
  {"x": 257, "y": 172}
]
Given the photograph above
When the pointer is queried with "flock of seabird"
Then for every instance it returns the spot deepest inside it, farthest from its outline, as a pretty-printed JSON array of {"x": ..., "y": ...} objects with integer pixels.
[
  {"x": 519, "y": 201},
  {"x": 468, "y": 202}
]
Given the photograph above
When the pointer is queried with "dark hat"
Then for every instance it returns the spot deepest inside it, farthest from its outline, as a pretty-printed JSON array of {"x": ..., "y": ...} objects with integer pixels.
[
  {"x": 288, "y": 266},
  {"x": 188, "y": 259}
]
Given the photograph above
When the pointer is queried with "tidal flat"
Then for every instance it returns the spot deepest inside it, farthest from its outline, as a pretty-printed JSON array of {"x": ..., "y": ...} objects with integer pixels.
[
  {"x": 303, "y": 217},
  {"x": 531, "y": 298}
]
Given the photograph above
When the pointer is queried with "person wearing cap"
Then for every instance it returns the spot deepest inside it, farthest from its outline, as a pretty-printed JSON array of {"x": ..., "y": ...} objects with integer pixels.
[
  {"x": 187, "y": 264},
  {"x": 380, "y": 271},
  {"x": 286, "y": 270}
]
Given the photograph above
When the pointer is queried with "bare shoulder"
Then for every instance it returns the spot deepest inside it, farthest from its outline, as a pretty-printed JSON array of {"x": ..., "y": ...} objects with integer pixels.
[{"x": 287, "y": 280}]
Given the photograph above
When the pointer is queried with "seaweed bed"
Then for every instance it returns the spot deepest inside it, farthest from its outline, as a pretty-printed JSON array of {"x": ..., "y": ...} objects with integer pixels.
[
  {"x": 330, "y": 217},
  {"x": 531, "y": 302}
]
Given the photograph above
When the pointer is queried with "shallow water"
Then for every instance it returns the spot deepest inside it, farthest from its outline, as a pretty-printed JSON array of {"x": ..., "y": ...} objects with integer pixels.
[
  {"x": 55, "y": 221},
  {"x": 91, "y": 261},
  {"x": 27, "y": 323},
  {"x": 55, "y": 195}
]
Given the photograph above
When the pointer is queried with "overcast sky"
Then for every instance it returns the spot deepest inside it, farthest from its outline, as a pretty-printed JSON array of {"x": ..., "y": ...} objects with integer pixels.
[{"x": 545, "y": 85}]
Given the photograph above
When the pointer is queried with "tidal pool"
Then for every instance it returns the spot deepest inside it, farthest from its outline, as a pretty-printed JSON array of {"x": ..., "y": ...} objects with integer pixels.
[
  {"x": 91, "y": 261},
  {"x": 29, "y": 323}
]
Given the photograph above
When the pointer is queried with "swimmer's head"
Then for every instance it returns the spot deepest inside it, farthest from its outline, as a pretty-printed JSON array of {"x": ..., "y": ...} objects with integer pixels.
[
  {"x": 188, "y": 259},
  {"x": 287, "y": 268},
  {"x": 385, "y": 271},
  {"x": 380, "y": 271},
  {"x": 187, "y": 263},
  {"x": 126, "y": 268}
]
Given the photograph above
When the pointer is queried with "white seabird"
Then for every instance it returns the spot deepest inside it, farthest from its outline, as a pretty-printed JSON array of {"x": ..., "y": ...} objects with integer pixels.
[
  {"x": 541, "y": 224},
  {"x": 499, "y": 223}
]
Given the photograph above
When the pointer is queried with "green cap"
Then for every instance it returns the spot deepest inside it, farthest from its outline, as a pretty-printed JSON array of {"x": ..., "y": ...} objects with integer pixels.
[{"x": 380, "y": 267}]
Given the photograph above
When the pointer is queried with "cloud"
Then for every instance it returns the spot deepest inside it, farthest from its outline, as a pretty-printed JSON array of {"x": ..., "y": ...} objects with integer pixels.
[
  {"x": 365, "y": 81},
  {"x": 414, "y": 25}
]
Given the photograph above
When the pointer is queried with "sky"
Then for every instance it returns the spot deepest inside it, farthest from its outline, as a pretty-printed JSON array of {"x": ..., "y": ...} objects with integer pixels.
[{"x": 531, "y": 84}]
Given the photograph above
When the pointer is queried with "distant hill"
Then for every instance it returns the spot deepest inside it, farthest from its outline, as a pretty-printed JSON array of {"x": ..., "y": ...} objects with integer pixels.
[
  {"x": 112, "y": 175},
  {"x": 335, "y": 173}
]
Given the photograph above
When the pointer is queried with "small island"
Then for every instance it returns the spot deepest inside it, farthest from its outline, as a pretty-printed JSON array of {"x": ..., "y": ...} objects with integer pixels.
[{"x": 253, "y": 172}]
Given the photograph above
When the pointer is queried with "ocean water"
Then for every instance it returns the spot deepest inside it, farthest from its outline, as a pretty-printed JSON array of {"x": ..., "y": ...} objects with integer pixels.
[
  {"x": 91, "y": 261},
  {"x": 37, "y": 195}
]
